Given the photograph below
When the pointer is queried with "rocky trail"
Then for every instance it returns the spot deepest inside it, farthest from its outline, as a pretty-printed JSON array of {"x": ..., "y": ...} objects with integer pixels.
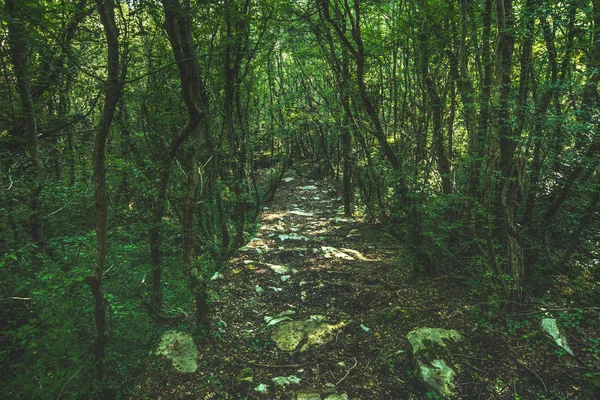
[{"x": 318, "y": 306}]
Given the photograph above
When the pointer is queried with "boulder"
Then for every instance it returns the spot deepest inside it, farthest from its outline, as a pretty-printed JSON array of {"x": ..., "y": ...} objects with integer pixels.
[
  {"x": 430, "y": 348},
  {"x": 549, "y": 326},
  {"x": 181, "y": 349},
  {"x": 288, "y": 336}
]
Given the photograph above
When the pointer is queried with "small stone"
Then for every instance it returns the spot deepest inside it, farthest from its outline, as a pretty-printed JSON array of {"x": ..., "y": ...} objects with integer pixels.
[
  {"x": 342, "y": 396},
  {"x": 419, "y": 337},
  {"x": 301, "y": 213},
  {"x": 308, "y": 395},
  {"x": 279, "y": 269},
  {"x": 262, "y": 388},
  {"x": 286, "y": 380}
]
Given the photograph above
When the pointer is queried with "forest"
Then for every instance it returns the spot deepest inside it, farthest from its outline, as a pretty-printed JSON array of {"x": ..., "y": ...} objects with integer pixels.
[{"x": 360, "y": 172}]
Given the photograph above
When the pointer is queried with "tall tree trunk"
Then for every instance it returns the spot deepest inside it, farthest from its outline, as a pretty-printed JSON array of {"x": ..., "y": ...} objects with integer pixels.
[
  {"x": 512, "y": 171},
  {"x": 484, "y": 113},
  {"x": 177, "y": 24},
  {"x": 17, "y": 38},
  {"x": 589, "y": 105},
  {"x": 159, "y": 212},
  {"x": 111, "y": 97},
  {"x": 435, "y": 103},
  {"x": 467, "y": 94}
]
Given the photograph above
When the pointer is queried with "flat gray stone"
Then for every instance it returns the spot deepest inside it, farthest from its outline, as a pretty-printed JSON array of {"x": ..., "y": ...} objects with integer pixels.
[
  {"x": 429, "y": 349},
  {"x": 308, "y": 396},
  {"x": 422, "y": 338},
  {"x": 550, "y": 327},
  {"x": 312, "y": 333},
  {"x": 181, "y": 349}
]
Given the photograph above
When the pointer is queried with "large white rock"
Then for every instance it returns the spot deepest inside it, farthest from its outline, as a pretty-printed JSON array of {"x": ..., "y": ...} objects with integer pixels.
[
  {"x": 288, "y": 336},
  {"x": 181, "y": 349},
  {"x": 550, "y": 327},
  {"x": 429, "y": 349}
]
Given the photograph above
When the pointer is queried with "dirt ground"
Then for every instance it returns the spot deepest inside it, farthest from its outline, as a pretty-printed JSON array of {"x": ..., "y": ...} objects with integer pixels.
[{"x": 375, "y": 300}]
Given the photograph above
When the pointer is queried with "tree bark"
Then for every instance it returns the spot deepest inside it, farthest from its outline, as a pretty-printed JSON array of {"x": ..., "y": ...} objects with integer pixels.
[
  {"x": 177, "y": 25},
  {"x": 111, "y": 97},
  {"x": 19, "y": 47},
  {"x": 512, "y": 169}
]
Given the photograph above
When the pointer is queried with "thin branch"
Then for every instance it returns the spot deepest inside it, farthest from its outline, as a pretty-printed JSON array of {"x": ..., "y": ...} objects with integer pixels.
[{"x": 347, "y": 372}]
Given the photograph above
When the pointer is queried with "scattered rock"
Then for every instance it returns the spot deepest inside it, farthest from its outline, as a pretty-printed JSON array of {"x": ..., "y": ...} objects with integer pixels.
[
  {"x": 282, "y": 316},
  {"x": 180, "y": 348},
  {"x": 342, "y": 396},
  {"x": 293, "y": 236},
  {"x": 286, "y": 380},
  {"x": 216, "y": 275},
  {"x": 338, "y": 219},
  {"x": 439, "y": 376},
  {"x": 329, "y": 392},
  {"x": 329, "y": 252},
  {"x": 356, "y": 254},
  {"x": 308, "y": 395},
  {"x": 422, "y": 338},
  {"x": 301, "y": 213},
  {"x": 262, "y": 388},
  {"x": 549, "y": 326},
  {"x": 279, "y": 269},
  {"x": 311, "y": 333},
  {"x": 429, "y": 346}
]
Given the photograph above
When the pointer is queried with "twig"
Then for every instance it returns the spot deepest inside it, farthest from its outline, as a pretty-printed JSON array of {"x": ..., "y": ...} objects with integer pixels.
[
  {"x": 255, "y": 364},
  {"x": 17, "y": 298},
  {"x": 347, "y": 373},
  {"x": 65, "y": 385},
  {"x": 524, "y": 364},
  {"x": 60, "y": 209},
  {"x": 555, "y": 310}
]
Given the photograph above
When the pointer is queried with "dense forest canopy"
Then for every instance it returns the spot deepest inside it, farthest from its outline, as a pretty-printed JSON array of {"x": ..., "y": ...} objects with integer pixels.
[{"x": 140, "y": 140}]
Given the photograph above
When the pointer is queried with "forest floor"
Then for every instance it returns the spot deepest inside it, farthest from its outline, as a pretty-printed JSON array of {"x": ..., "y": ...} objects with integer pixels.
[{"x": 303, "y": 264}]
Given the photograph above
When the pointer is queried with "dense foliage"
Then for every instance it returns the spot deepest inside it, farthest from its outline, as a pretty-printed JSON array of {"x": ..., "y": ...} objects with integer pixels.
[{"x": 132, "y": 133}]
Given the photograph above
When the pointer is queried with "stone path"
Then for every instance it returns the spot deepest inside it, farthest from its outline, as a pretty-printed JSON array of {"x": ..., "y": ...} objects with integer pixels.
[{"x": 317, "y": 306}]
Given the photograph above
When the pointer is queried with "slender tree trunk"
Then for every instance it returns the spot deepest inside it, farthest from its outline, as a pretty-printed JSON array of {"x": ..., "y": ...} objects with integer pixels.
[
  {"x": 17, "y": 37},
  {"x": 156, "y": 225},
  {"x": 112, "y": 93},
  {"x": 589, "y": 105},
  {"x": 177, "y": 25},
  {"x": 512, "y": 169},
  {"x": 467, "y": 93},
  {"x": 583, "y": 223},
  {"x": 435, "y": 103}
]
